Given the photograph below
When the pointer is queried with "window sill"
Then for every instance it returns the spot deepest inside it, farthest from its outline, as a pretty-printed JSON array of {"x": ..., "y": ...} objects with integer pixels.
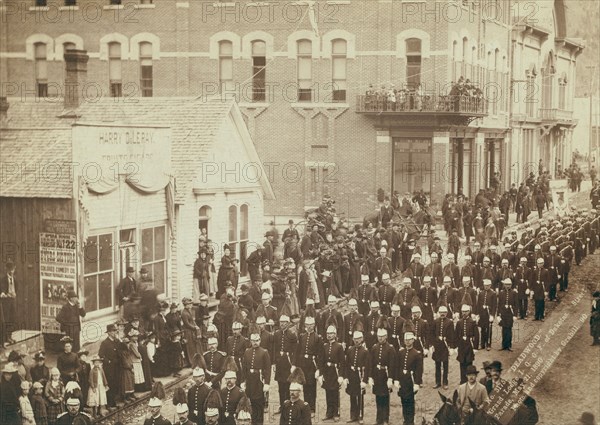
[
  {"x": 113, "y": 7},
  {"x": 327, "y": 105},
  {"x": 144, "y": 6},
  {"x": 68, "y": 8}
]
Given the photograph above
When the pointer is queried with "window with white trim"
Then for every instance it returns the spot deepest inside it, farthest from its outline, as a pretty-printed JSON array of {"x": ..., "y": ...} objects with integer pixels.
[
  {"x": 146, "y": 69},
  {"x": 562, "y": 92},
  {"x": 154, "y": 255},
  {"x": 259, "y": 71},
  {"x": 41, "y": 69},
  {"x": 304, "y": 52},
  {"x": 238, "y": 235},
  {"x": 226, "y": 66},
  {"x": 114, "y": 69},
  {"x": 413, "y": 62},
  {"x": 98, "y": 271},
  {"x": 339, "y": 59}
]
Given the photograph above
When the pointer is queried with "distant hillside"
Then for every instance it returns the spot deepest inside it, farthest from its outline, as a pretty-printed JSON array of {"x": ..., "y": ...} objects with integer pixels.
[{"x": 583, "y": 17}]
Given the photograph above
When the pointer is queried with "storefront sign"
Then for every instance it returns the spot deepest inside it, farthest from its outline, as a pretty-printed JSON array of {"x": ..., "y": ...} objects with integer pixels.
[
  {"x": 104, "y": 153},
  {"x": 58, "y": 269}
]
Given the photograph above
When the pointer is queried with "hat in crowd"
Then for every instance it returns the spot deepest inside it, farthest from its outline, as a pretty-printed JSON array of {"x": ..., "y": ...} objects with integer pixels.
[
  {"x": 37, "y": 386},
  {"x": 395, "y": 307},
  {"x": 65, "y": 339},
  {"x": 186, "y": 301},
  {"x": 447, "y": 279},
  {"x": 14, "y": 356},
  {"x": 487, "y": 281},
  {"x": 230, "y": 374},
  {"x": 552, "y": 248},
  {"x": 73, "y": 402},
  {"x": 382, "y": 332},
  {"x": 352, "y": 301},
  {"x": 96, "y": 358},
  {"x": 486, "y": 365},
  {"x": 406, "y": 279},
  {"x": 364, "y": 277},
  {"x": 496, "y": 365},
  {"x": 297, "y": 379},
  {"x": 130, "y": 269},
  {"x": 415, "y": 309},
  {"x": 25, "y": 385},
  {"x": 331, "y": 330},
  {"x": 587, "y": 418},
  {"x": 284, "y": 318},
  {"x": 236, "y": 325},
  {"x": 443, "y": 309},
  {"x": 507, "y": 281},
  {"x": 374, "y": 304},
  {"x": 417, "y": 255},
  {"x": 523, "y": 259},
  {"x": 156, "y": 395},
  {"x": 40, "y": 355},
  {"x": 486, "y": 259},
  {"x": 212, "y": 341},
  {"x": 309, "y": 320},
  {"x": 181, "y": 408},
  {"x": 261, "y": 320},
  {"x": 540, "y": 260},
  {"x": 385, "y": 276},
  {"x": 86, "y": 352},
  {"x": 505, "y": 261},
  {"x": 465, "y": 307},
  {"x": 198, "y": 371},
  {"x": 265, "y": 296},
  {"x": 409, "y": 335},
  {"x": 71, "y": 294},
  {"x": 332, "y": 299},
  {"x": 426, "y": 278},
  {"x": 466, "y": 279},
  {"x": 471, "y": 370},
  {"x": 310, "y": 301},
  {"x": 143, "y": 270}
]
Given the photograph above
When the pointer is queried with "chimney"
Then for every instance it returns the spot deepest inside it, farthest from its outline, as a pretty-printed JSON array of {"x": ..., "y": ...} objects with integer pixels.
[
  {"x": 3, "y": 111},
  {"x": 76, "y": 77}
]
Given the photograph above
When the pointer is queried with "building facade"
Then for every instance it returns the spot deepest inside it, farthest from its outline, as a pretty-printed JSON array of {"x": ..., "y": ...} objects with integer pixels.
[{"x": 300, "y": 72}]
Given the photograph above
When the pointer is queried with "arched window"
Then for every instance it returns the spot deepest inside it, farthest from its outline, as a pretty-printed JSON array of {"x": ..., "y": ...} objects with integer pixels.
[
  {"x": 304, "y": 52},
  {"x": 204, "y": 216},
  {"x": 114, "y": 69},
  {"x": 41, "y": 69},
  {"x": 339, "y": 57},
  {"x": 146, "y": 68},
  {"x": 259, "y": 71},
  {"x": 413, "y": 62},
  {"x": 225, "y": 66}
]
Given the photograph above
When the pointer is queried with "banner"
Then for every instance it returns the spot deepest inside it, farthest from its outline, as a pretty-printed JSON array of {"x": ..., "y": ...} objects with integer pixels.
[{"x": 58, "y": 269}]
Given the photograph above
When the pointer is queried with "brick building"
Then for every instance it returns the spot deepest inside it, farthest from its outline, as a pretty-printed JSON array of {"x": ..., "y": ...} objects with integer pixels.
[{"x": 299, "y": 71}]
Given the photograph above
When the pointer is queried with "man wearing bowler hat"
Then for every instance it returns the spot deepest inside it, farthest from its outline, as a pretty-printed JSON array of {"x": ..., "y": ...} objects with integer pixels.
[
  {"x": 471, "y": 391},
  {"x": 110, "y": 351},
  {"x": 69, "y": 318},
  {"x": 127, "y": 288}
]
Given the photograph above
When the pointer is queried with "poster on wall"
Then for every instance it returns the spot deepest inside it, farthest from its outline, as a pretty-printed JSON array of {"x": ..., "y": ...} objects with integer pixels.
[{"x": 58, "y": 269}]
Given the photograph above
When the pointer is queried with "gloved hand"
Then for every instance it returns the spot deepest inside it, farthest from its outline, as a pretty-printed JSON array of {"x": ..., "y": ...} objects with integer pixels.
[
  {"x": 515, "y": 318},
  {"x": 498, "y": 320},
  {"x": 346, "y": 382},
  {"x": 397, "y": 384},
  {"x": 363, "y": 385},
  {"x": 477, "y": 317},
  {"x": 559, "y": 276},
  {"x": 371, "y": 382},
  {"x": 473, "y": 316},
  {"x": 292, "y": 369},
  {"x": 243, "y": 386},
  {"x": 455, "y": 315},
  {"x": 390, "y": 383},
  {"x": 266, "y": 388},
  {"x": 426, "y": 352},
  {"x": 317, "y": 374},
  {"x": 474, "y": 351},
  {"x": 491, "y": 319},
  {"x": 320, "y": 380},
  {"x": 340, "y": 380},
  {"x": 416, "y": 388},
  {"x": 546, "y": 294},
  {"x": 526, "y": 291}
]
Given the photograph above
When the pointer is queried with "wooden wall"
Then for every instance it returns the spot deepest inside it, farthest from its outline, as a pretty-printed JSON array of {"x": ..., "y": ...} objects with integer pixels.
[{"x": 21, "y": 221}]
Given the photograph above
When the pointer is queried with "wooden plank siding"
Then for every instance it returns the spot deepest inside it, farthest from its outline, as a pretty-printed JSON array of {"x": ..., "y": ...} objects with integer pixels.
[{"x": 21, "y": 221}]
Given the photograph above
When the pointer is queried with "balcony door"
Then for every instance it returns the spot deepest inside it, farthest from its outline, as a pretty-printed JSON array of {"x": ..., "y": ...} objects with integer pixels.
[{"x": 412, "y": 165}]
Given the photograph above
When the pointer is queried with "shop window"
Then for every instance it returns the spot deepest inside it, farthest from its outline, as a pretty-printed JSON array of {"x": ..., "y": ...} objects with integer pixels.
[
  {"x": 154, "y": 255},
  {"x": 304, "y": 49},
  {"x": 146, "y": 69},
  {"x": 41, "y": 69},
  {"x": 226, "y": 66},
  {"x": 259, "y": 71},
  {"x": 98, "y": 269},
  {"x": 339, "y": 59}
]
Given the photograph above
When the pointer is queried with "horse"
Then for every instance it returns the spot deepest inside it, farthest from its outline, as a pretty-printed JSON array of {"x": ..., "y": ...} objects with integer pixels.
[{"x": 449, "y": 413}]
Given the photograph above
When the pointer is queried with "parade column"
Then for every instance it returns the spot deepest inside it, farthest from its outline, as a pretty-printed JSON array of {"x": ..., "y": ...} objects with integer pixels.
[
  {"x": 383, "y": 160},
  {"x": 441, "y": 167}
]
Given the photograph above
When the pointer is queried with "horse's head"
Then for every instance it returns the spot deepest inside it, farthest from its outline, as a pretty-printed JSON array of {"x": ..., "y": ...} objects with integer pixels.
[{"x": 449, "y": 413}]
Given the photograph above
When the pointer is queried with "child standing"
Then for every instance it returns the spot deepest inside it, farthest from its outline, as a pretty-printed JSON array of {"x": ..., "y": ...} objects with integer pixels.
[
  {"x": 55, "y": 394},
  {"x": 27, "y": 417},
  {"x": 136, "y": 360},
  {"x": 97, "y": 387},
  {"x": 39, "y": 404}
]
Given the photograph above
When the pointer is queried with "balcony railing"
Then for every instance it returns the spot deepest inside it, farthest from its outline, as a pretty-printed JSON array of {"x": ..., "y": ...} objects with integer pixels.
[
  {"x": 425, "y": 104},
  {"x": 555, "y": 114}
]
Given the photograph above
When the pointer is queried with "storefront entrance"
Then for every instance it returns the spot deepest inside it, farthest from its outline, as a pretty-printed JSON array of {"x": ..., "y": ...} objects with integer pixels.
[{"x": 412, "y": 165}]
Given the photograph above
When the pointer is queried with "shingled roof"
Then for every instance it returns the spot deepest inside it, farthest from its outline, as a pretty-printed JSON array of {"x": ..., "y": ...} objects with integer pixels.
[{"x": 195, "y": 122}]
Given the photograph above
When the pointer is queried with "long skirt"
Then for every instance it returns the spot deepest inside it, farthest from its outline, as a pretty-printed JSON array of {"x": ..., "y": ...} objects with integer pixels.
[
  {"x": 53, "y": 410},
  {"x": 128, "y": 381},
  {"x": 97, "y": 396},
  {"x": 138, "y": 372}
]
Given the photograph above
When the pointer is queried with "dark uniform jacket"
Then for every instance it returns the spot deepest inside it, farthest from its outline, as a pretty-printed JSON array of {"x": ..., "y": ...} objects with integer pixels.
[
  {"x": 371, "y": 328},
  {"x": 409, "y": 370},
  {"x": 464, "y": 296},
  {"x": 331, "y": 364},
  {"x": 421, "y": 331},
  {"x": 161, "y": 330},
  {"x": 486, "y": 306},
  {"x": 453, "y": 271},
  {"x": 350, "y": 321},
  {"x": 284, "y": 347},
  {"x": 236, "y": 346},
  {"x": 415, "y": 272},
  {"x": 404, "y": 299},
  {"x": 160, "y": 420},
  {"x": 396, "y": 331},
  {"x": 256, "y": 371},
  {"x": 436, "y": 271},
  {"x": 322, "y": 323},
  {"x": 521, "y": 280},
  {"x": 214, "y": 365},
  {"x": 196, "y": 397},
  {"x": 387, "y": 293},
  {"x": 230, "y": 399},
  {"x": 366, "y": 294},
  {"x": 446, "y": 298},
  {"x": 309, "y": 348},
  {"x": 383, "y": 363},
  {"x": 83, "y": 418},
  {"x": 443, "y": 338},
  {"x": 507, "y": 307},
  {"x": 539, "y": 280},
  {"x": 467, "y": 338},
  {"x": 295, "y": 413},
  {"x": 357, "y": 368}
]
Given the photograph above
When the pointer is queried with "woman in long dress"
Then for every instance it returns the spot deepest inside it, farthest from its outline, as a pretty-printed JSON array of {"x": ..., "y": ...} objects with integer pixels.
[
  {"x": 55, "y": 394},
  {"x": 136, "y": 360},
  {"x": 226, "y": 272}
]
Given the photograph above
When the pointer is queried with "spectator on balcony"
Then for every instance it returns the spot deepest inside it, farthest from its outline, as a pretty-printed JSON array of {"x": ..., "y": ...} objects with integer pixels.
[
  {"x": 419, "y": 97},
  {"x": 391, "y": 98}
]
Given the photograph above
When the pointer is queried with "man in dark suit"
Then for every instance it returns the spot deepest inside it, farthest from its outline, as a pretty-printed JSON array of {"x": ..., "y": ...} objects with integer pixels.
[
  {"x": 331, "y": 370},
  {"x": 8, "y": 302},
  {"x": 507, "y": 311},
  {"x": 69, "y": 318},
  {"x": 268, "y": 252},
  {"x": 356, "y": 376},
  {"x": 196, "y": 396},
  {"x": 110, "y": 351},
  {"x": 127, "y": 288},
  {"x": 231, "y": 395},
  {"x": 409, "y": 376},
  {"x": 284, "y": 347},
  {"x": 256, "y": 370}
]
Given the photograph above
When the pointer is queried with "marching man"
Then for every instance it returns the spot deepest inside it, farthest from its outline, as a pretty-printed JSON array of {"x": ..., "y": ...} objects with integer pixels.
[
  {"x": 507, "y": 313},
  {"x": 256, "y": 369},
  {"x": 309, "y": 348},
  {"x": 443, "y": 340},
  {"x": 383, "y": 359},
  {"x": 409, "y": 376},
  {"x": 467, "y": 339},
  {"x": 295, "y": 411},
  {"x": 357, "y": 362},
  {"x": 331, "y": 370},
  {"x": 485, "y": 309}
]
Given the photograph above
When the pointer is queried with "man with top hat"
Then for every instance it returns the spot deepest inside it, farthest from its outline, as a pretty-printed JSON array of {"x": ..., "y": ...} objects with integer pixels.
[
  {"x": 471, "y": 391},
  {"x": 214, "y": 360},
  {"x": 309, "y": 348},
  {"x": 539, "y": 280},
  {"x": 285, "y": 343},
  {"x": 467, "y": 341},
  {"x": 127, "y": 288},
  {"x": 196, "y": 396},
  {"x": 443, "y": 340},
  {"x": 365, "y": 294},
  {"x": 356, "y": 375},
  {"x": 404, "y": 297},
  {"x": 110, "y": 351},
  {"x": 409, "y": 376},
  {"x": 521, "y": 280},
  {"x": 231, "y": 395},
  {"x": 485, "y": 310},
  {"x": 350, "y": 321},
  {"x": 387, "y": 293},
  {"x": 381, "y": 375},
  {"x": 237, "y": 344},
  {"x": 296, "y": 411},
  {"x": 73, "y": 415},
  {"x": 507, "y": 313},
  {"x": 256, "y": 370},
  {"x": 371, "y": 323},
  {"x": 331, "y": 373},
  {"x": 69, "y": 318}
]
